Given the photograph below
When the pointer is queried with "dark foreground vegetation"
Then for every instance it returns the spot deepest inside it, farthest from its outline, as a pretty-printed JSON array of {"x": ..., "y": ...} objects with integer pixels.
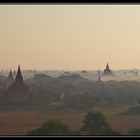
[
  {"x": 94, "y": 124},
  {"x": 49, "y": 94}
]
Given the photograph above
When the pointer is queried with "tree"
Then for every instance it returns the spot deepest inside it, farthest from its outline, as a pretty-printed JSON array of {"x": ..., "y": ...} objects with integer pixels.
[
  {"x": 95, "y": 124},
  {"x": 52, "y": 127}
]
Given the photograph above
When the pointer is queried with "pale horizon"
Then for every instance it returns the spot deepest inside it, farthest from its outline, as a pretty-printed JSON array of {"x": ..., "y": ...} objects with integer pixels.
[{"x": 70, "y": 37}]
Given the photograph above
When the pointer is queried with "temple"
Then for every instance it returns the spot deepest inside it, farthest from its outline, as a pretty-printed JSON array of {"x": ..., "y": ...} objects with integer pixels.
[
  {"x": 67, "y": 93},
  {"x": 107, "y": 70},
  {"x": 18, "y": 92}
]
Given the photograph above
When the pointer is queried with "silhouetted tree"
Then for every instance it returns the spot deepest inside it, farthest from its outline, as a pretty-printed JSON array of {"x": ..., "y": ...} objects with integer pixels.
[{"x": 95, "y": 124}]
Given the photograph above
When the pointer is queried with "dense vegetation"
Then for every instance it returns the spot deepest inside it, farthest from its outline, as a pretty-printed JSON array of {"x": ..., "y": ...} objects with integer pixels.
[{"x": 86, "y": 94}]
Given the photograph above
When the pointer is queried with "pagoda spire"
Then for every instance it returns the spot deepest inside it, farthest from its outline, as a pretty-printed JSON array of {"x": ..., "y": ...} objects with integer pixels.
[
  {"x": 10, "y": 76},
  {"x": 19, "y": 78},
  {"x": 107, "y": 66},
  {"x": 107, "y": 70},
  {"x": 99, "y": 76}
]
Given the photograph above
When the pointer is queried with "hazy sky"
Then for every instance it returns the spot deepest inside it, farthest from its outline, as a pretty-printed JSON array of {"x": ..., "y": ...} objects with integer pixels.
[{"x": 69, "y": 37}]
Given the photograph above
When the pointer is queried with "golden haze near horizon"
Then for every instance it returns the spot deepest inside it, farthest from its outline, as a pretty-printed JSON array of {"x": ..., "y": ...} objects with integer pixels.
[{"x": 69, "y": 37}]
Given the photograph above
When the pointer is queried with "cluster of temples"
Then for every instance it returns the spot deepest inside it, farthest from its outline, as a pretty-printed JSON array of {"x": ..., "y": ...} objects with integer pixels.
[{"x": 18, "y": 92}]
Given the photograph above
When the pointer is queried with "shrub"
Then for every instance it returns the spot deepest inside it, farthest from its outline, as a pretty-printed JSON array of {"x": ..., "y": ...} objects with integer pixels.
[{"x": 52, "y": 127}]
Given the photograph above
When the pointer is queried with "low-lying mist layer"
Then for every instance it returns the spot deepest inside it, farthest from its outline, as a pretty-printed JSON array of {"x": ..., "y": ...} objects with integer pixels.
[{"x": 118, "y": 75}]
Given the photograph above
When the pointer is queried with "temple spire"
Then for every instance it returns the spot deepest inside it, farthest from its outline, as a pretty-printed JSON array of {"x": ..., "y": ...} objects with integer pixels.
[
  {"x": 18, "y": 92},
  {"x": 107, "y": 66},
  {"x": 107, "y": 70},
  {"x": 19, "y": 77},
  {"x": 10, "y": 76}
]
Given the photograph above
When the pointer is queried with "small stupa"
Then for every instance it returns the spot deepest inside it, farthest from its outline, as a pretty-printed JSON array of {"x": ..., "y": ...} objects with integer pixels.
[
  {"x": 107, "y": 70},
  {"x": 67, "y": 93}
]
